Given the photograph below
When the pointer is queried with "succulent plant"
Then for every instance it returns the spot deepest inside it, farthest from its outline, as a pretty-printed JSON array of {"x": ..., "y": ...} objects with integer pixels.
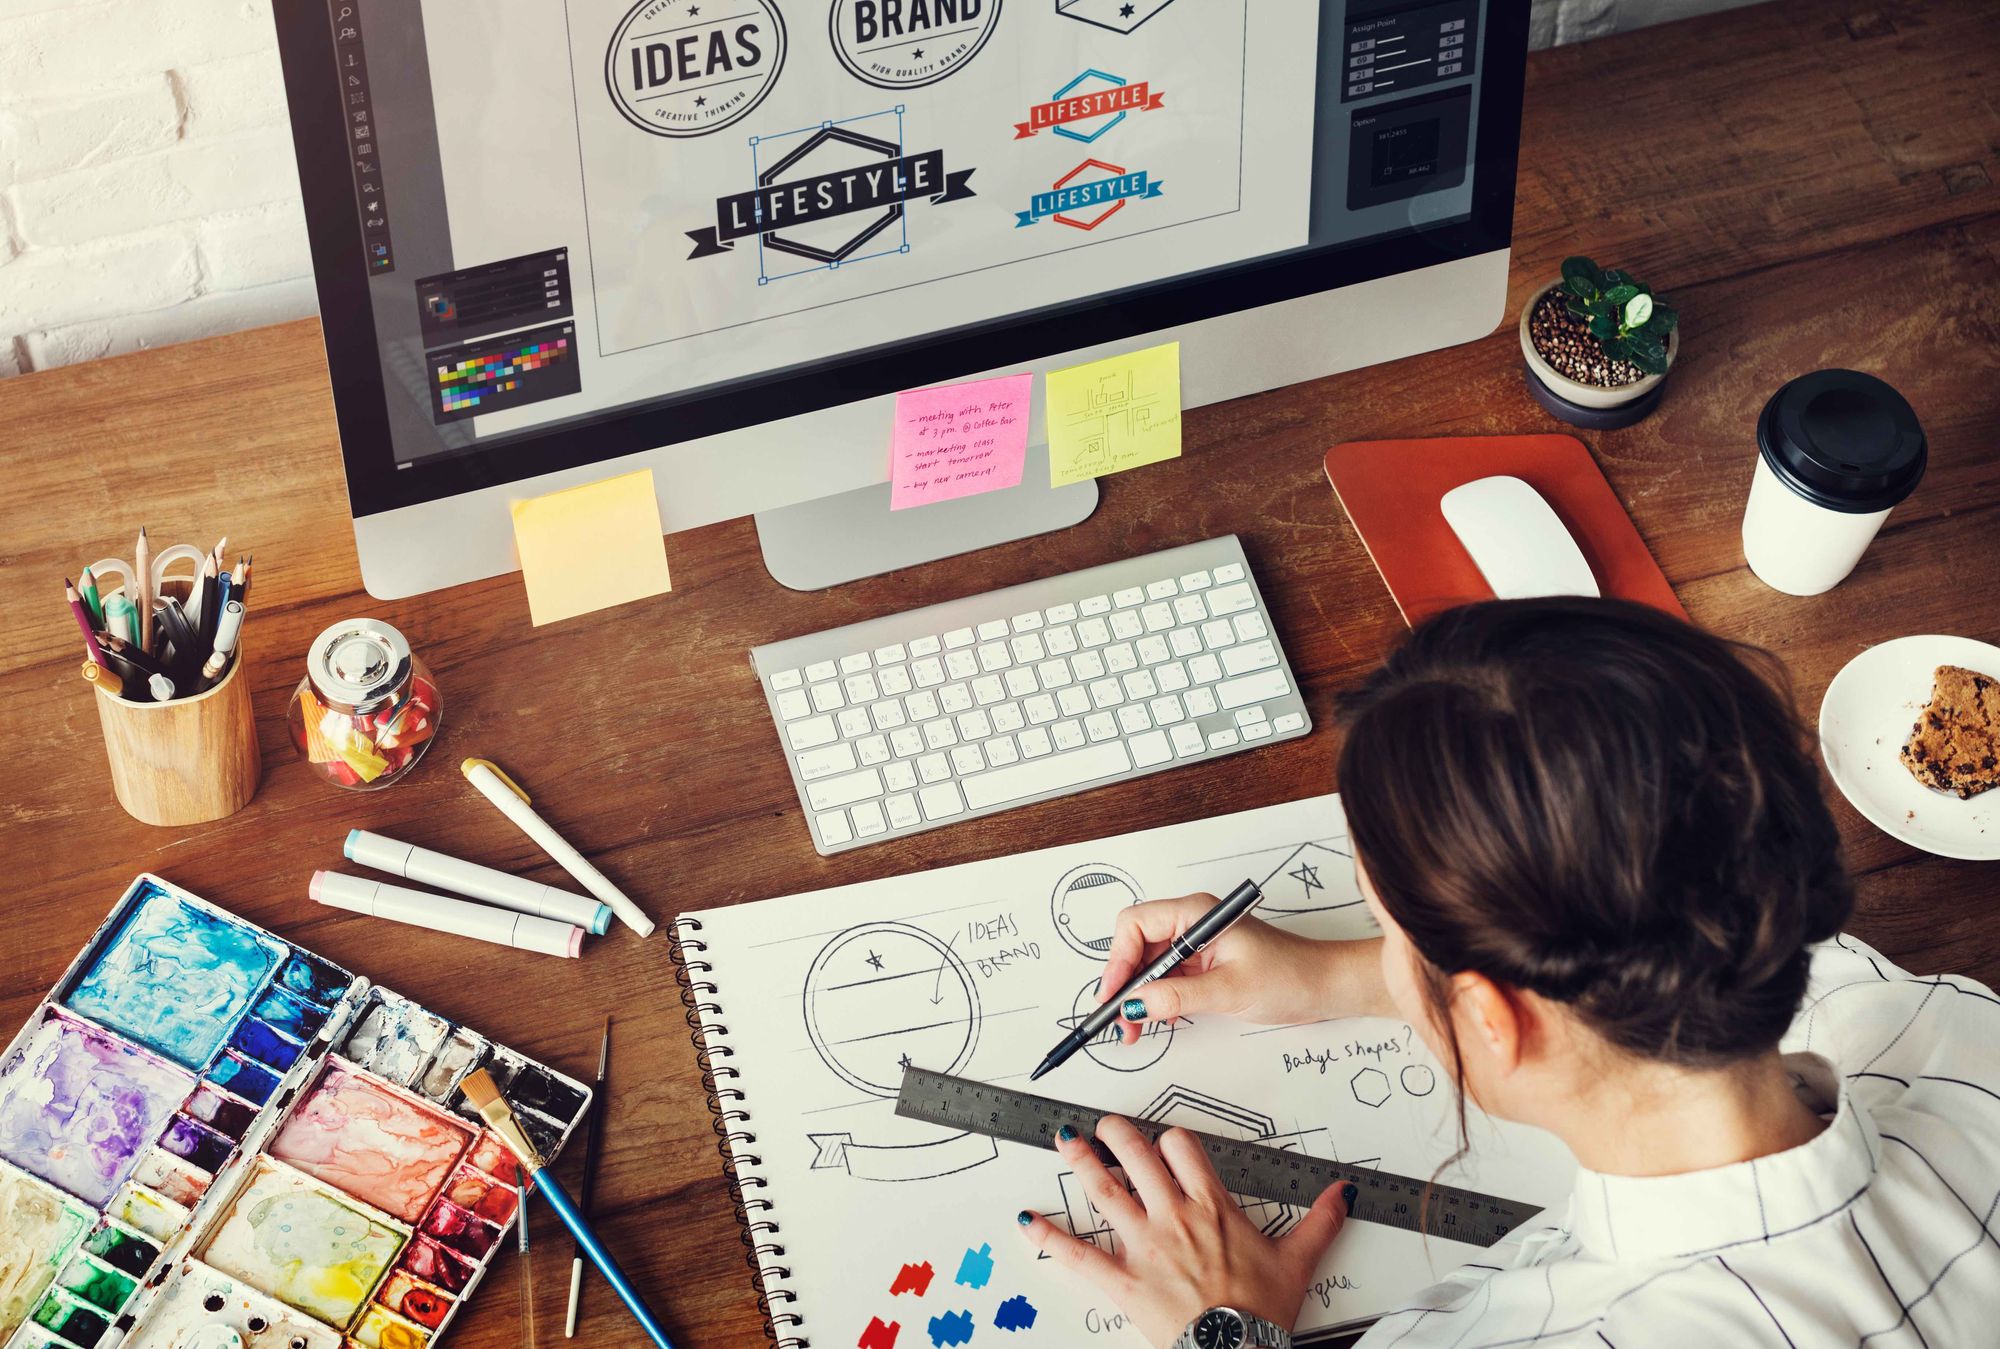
[{"x": 1627, "y": 320}]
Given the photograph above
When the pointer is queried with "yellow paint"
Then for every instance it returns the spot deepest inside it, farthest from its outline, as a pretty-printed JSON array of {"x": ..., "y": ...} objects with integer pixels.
[
  {"x": 591, "y": 547},
  {"x": 1110, "y": 415},
  {"x": 381, "y": 1329},
  {"x": 158, "y": 1218}
]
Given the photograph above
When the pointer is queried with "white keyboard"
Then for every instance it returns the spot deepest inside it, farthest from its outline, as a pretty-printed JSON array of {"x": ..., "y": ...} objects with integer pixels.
[{"x": 966, "y": 708}]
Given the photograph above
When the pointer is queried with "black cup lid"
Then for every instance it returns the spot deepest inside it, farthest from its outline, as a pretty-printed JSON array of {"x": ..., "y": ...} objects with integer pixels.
[{"x": 1843, "y": 440}]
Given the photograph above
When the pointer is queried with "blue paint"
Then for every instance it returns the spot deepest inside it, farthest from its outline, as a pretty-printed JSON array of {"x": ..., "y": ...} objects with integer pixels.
[
  {"x": 296, "y": 1019},
  {"x": 265, "y": 1045},
  {"x": 976, "y": 1267},
  {"x": 1016, "y": 1313},
  {"x": 314, "y": 980},
  {"x": 176, "y": 978},
  {"x": 951, "y": 1328},
  {"x": 243, "y": 1078}
]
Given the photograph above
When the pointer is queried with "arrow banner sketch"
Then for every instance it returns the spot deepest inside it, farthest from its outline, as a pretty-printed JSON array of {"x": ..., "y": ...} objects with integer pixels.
[{"x": 906, "y": 1161}]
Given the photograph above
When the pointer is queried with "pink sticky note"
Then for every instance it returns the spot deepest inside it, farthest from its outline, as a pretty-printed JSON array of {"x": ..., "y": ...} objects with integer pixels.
[{"x": 958, "y": 440}]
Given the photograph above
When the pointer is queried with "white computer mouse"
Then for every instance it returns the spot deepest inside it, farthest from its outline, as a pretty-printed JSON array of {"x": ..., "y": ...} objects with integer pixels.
[{"x": 1516, "y": 539}]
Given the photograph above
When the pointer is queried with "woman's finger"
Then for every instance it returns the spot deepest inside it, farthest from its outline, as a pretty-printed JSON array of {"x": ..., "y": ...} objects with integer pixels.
[
  {"x": 1142, "y": 931},
  {"x": 1105, "y": 1191},
  {"x": 1143, "y": 1167},
  {"x": 1192, "y": 1170},
  {"x": 1307, "y": 1242},
  {"x": 1080, "y": 1256}
]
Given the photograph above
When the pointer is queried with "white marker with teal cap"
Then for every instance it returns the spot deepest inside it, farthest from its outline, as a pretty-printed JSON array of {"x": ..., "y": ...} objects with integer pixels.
[{"x": 475, "y": 881}]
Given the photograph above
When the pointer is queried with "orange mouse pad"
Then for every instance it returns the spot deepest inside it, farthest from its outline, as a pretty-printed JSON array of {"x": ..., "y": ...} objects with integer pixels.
[{"x": 1390, "y": 490}]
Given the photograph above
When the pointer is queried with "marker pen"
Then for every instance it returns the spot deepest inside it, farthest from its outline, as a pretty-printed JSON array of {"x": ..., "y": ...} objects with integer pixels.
[
  {"x": 523, "y": 931},
  {"x": 475, "y": 881},
  {"x": 512, "y": 802}
]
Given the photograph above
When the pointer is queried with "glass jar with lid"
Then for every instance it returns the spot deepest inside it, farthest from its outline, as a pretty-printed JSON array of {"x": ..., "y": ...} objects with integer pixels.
[{"x": 367, "y": 708}]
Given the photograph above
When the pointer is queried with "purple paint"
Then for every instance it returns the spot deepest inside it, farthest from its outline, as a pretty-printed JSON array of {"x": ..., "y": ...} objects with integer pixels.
[
  {"x": 220, "y": 1111},
  {"x": 190, "y": 1141},
  {"x": 77, "y": 1107}
]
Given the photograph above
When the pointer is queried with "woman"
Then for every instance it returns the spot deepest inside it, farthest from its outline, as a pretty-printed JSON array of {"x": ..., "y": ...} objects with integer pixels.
[{"x": 1610, "y": 896}]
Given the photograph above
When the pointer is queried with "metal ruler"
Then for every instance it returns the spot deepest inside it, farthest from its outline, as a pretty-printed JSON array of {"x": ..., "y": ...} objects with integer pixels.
[{"x": 1248, "y": 1169}]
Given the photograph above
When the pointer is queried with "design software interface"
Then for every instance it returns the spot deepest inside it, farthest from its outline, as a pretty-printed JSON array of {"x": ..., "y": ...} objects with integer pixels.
[{"x": 570, "y": 207}]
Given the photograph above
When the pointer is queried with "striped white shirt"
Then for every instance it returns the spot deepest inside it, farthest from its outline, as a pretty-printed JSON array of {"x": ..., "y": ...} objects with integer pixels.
[{"x": 1879, "y": 1232}]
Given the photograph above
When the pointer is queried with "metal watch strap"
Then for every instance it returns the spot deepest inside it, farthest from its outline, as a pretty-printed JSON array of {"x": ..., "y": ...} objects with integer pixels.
[{"x": 1261, "y": 1334}]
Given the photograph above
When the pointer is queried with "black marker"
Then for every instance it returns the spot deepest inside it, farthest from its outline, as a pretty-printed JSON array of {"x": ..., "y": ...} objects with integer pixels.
[{"x": 1206, "y": 929}]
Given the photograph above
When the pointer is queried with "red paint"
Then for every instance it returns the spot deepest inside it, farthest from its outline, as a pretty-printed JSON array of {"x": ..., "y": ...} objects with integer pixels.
[
  {"x": 913, "y": 1279},
  {"x": 879, "y": 1336}
]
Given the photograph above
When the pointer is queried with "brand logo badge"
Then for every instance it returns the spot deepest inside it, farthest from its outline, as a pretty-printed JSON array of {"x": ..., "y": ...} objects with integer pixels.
[
  {"x": 1088, "y": 195},
  {"x": 688, "y": 67},
  {"x": 905, "y": 44},
  {"x": 1088, "y": 106}
]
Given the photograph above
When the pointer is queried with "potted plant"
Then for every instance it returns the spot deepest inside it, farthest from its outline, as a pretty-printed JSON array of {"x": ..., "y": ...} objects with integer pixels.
[{"x": 1598, "y": 343}]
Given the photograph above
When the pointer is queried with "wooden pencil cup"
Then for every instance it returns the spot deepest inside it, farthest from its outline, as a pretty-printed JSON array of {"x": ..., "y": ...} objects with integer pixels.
[{"x": 188, "y": 761}]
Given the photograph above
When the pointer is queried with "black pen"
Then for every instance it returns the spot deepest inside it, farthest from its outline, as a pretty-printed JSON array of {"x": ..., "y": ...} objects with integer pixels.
[{"x": 1204, "y": 930}]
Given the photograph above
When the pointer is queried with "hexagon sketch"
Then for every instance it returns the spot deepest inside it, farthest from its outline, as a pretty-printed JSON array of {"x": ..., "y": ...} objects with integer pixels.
[
  {"x": 1371, "y": 1087},
  {"x": 830, "y": 241}
]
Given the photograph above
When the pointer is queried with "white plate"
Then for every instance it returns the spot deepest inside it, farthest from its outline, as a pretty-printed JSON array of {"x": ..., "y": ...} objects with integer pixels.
[{"x": 1864, "y": 722}]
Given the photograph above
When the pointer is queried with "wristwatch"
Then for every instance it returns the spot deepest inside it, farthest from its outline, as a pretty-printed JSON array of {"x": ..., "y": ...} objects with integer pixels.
[{"x": 1227, "y": 1328}]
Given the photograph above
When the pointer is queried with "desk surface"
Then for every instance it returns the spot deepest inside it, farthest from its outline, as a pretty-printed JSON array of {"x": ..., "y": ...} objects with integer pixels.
[{"x": 1811, "y": 190}]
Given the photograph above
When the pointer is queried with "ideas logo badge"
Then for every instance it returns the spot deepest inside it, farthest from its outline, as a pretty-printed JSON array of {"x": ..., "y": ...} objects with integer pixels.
[
  {"x": 688, "y": 67},
  {"x": 1088, "y": 195},
  {"x": 1088, "y": 106},
  {"x": 832, "y": 190},
  {"x": 905, "y": 44}
]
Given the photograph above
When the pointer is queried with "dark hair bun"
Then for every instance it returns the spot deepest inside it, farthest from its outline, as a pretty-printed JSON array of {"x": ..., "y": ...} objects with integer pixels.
[{"x": 1603, "y": 804}]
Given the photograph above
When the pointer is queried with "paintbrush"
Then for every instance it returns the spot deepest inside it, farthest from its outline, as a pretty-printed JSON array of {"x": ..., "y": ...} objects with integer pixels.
[
  {"x": 527, "y": 1275},
  {"x": 479, "y": 1089},
  {"x": 592, "y": 1146}
]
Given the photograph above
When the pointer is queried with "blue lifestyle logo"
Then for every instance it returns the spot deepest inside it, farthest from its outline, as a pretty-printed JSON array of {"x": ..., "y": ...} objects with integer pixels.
[{"x": 1088, "y": 195}]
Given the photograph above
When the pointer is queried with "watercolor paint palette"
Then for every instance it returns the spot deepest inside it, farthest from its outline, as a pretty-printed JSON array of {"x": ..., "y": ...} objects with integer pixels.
[{"x": 207, "y": 1130}]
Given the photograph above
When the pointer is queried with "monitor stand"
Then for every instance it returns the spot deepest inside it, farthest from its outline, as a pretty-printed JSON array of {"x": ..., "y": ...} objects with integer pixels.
[{"x": 841, "y": 538}]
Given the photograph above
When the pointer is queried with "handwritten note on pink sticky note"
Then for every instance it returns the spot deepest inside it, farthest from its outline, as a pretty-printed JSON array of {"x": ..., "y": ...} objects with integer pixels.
[{"x": 958, "y": 440}]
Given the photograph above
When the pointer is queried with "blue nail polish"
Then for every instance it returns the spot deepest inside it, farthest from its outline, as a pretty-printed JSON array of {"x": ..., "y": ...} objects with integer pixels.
[
  {"x": 1134, "y": 1010},
  {"x": 1024, "y": 1217},
  {"x": 1350, "y": 1192},
  {"x": 1067, "y": 1133}
]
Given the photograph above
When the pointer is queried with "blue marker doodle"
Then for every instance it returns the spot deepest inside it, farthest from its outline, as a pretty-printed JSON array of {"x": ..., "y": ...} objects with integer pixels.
[
  {"x": 951, "y": 1328},
  {"x": 1016, "y": 1313},
  {"x": 977, "y": 1266}
]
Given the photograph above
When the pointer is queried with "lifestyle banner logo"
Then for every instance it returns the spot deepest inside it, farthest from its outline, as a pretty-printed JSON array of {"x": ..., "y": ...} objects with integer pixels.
[
  {"x": 871, "y": 187},
  {"x": 906, "y": 44},
  {"x": 1073, "y": 194},
  {"x": 686, "y": 68},
  {"x": 1086, "y": 115}
]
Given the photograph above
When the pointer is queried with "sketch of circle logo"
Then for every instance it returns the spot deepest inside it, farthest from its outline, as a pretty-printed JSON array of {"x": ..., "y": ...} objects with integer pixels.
[
  {"x": 688, "y": 67},
  {"x": 1085, "y": 906},
  {"x": 906, "y": 44}
]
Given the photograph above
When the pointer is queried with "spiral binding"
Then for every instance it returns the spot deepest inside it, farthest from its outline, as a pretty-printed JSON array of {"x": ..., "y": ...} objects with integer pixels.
[{"x": 757, "y": 1229}]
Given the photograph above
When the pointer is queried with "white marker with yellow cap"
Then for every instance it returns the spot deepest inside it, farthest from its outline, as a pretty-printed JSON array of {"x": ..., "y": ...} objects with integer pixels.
[{"x": 503, "y": 792}]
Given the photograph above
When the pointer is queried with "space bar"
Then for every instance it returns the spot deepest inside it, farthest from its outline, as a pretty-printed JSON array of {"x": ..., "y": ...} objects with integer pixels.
[{"x": 1036, "y": 776}]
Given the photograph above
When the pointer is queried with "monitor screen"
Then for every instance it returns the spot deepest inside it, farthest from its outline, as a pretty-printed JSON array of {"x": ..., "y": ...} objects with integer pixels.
[{"x": 548, "y": 231}]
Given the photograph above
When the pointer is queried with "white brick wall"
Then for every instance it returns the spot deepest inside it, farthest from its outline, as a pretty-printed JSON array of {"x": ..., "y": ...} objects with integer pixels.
[{"x": 147, "y": 189}]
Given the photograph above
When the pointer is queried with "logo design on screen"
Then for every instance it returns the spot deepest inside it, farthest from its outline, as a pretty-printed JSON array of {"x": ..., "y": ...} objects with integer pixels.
[
  {"x": 688, "y": 67},
  {"x": 1089, "y": 194},
  {"x": 905, "y": 44}
]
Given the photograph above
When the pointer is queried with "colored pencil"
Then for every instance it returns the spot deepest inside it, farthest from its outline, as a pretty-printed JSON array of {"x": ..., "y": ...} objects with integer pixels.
[
  {"x": 83, "y": 621},
  {"x": 87, "y": 584}
]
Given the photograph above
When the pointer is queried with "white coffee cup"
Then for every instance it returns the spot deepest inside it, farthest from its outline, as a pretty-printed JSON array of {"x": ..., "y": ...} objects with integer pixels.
[{"x": 1837, "y": 451}]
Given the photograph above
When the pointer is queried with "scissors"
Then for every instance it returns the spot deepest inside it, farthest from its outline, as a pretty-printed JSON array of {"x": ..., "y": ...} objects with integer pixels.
[{"x": 163, "y": 559}]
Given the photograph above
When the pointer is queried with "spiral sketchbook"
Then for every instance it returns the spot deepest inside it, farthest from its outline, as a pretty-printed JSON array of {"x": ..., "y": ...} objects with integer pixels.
[{"x": 888, "y": 1233}]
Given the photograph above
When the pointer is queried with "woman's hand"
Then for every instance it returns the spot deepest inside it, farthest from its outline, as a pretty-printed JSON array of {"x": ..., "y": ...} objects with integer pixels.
[
  {"x": 1184, "y": 1245},
  {"x": 1253, "y": 971}
]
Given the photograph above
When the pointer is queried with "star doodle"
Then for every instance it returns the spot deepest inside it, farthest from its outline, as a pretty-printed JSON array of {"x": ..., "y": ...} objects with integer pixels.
[
  {"x": 904, "y": 1062},
  {"x": 874, "y": 959},
  {"x": 694, "y": 11},
  {"x": 1308, "y": 876},
  {"x": 1125, "y": 11},
  {"x": 700, "y": 102}
]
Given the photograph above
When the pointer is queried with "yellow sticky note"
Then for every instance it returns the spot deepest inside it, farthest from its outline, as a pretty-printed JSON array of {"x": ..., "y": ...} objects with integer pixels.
[
  {"x": 591, "y": 547},
  {"x": 1114, "y": 414}
]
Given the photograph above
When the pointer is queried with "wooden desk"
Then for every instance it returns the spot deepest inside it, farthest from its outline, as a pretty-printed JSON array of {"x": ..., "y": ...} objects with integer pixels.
[{"x": 1812, "y": 185}]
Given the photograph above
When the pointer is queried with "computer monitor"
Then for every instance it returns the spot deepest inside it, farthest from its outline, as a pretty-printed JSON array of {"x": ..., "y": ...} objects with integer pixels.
[{"x": 556, "y": 240}]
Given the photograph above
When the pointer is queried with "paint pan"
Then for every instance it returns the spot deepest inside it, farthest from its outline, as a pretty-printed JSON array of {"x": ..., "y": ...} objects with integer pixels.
[
  {"x": 171, "y": 1178},
  {"x": 381, "y": 1328},
  {"x": 482, "y": 1194},
  {"x": 195, "y": 1298},
  {"x": 364, "y": 1137},
  {"x": 421, "y": 1303},
  {"x": 305, "y": 1245},
  {"x": 39, "y": 1228},
  {"x": 395, "y": 1039}
]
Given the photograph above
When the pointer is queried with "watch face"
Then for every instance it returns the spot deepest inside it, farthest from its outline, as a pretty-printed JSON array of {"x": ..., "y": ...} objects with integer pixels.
[{"x": 1220, "y": 1328}]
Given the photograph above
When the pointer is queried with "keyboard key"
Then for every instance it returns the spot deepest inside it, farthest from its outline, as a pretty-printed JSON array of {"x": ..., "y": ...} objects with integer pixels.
[
  {"x": 1120, "y": 658},
  {"x": 1187, "y": 739},
  {"x": 1041, "y": 709},
  {"x": 891, "y": 655},
  {"x": 1139, "y": 684},
  {"x": 1041, "y": 776},
  {"x": 1166, "y": 710},
  {"x": 1243, "y": 659},
  {"x": 1230, "y": 600},
  {"x": 907, "y": 741},
  {"x": 1087, "y": 665},
  {"x": 993, "y": 656},
  {"x": 844, "y": 791},
  {"x": 1100, "y": 726},
  {"x": 826, "y": 761},
  {"x": 1035, "y": 743},
  {"x": 988, "y": 689},
  {"x": 895, "y": 680},
  {"x": 974, "y": 726},
  {"x": 833, "y": 828},
  {"x": 1125, "y": 625},
  {"x": 928, "y": 673},
  {"x": 1229, "y": 571},
  {"x": 1201, "y": 703},
  {"x": 1132, "y": 719},
  {"x": 1060, "y": 641},
  {"x": 1152, "y": 649},
  {"x": 934, "y": 768},
  {"x": 786, "y": 679},
  {"x": 941, "y": 802},
  {"x": 1149, "y": 749},
  {"x": 923, "y": 705},
  {"x": 861, "y": 688},
  {"x": 874, "y": 749},
  {"x": 957, "y": 638},
  {"x": 792, "y": 704},
  {"x": 1204, "y": 669},
  {"x": 1008, "y": 717},
  {"x": 1252, "y": 688},
  {"x": 1027, "y": 622},
  {"x": 903, "y": 812},
  {"x": 826, "y": 696},
  {"x": 1021, "y": 681},
  {"x": 1106, "y": 693},
  {"x": 868, "y": 820},
  {"x": 853, "y": 721},
  {"x": 854, "y": 664},
  {"x": 1069, "y": 734},
  {"x": 960, "y": 665},
  {"x": 1218, "y": 634},
  {"x": 1164, "y": 589},
  {"x": 1096, "y": 604},
  {"x": 926, "y": 646},
  {"x": 940, "y": 734},
  {"x": 1054, "y": 674},
  {"x": 1158, "y": 617},
  {"x": 1249, "y": 715},
  {"x": 1028, "y": 648},
  {"x": 1291, "y": 721},
  {"x": 1185, "y": 641},
  {"x": 1250, "y": 626},
  {"x": 888, "y": 714},
  {"x": 898, "y": 776},
  {"x": 1000, "y": 751},
  {"x": 953, "y": 698},
  {"x": 1093, "y": 632},
  {"x": 1190, "y": 609},
  {"x": 1173, "y": 677},
  {"x": 1224, "y": 739},
  {"x": 1073, "y": 699},
  {"x": 1260, "y": 731},
  {"x": 1062, "y": 613},
  {"x": 968, "y": 760},
  {"x": 1129, "y": 597},
  {"x": 820, "y": 670},
  {"x": 1195, "y": 580},
  {"x": 812, "y": 734},
  {"x": 993, "y": 630}
]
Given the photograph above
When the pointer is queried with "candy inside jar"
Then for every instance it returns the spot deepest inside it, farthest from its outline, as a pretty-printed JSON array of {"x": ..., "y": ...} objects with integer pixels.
[{"x": 367, "y": 708}]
